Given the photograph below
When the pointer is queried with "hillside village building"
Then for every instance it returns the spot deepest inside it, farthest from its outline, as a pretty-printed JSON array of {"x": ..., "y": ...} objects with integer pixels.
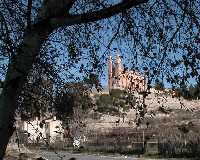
[
  {"x": 40, "y": 130},
  {"x": 118, "y": 78}
]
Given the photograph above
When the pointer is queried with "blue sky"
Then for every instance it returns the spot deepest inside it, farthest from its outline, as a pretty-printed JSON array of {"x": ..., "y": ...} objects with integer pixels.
[{"x": 130, "y": 48}]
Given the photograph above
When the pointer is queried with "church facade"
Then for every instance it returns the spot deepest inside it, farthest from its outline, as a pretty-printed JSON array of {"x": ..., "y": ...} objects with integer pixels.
[{"x": 118, "y": 78}]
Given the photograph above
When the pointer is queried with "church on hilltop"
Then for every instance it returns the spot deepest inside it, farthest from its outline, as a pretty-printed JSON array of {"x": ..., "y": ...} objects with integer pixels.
[{"x": 118, "y": 78}]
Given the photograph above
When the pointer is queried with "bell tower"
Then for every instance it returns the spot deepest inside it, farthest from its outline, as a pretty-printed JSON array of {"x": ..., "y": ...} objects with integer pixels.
[
  {"x": 118, "y": 65},
  {"x": 110, "y": 73}
]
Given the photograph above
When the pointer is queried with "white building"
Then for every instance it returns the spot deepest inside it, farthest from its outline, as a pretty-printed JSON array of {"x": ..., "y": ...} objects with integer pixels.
[{"x": 40, "y": 131}]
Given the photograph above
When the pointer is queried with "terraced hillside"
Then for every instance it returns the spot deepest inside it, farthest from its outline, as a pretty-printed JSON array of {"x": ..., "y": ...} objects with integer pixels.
[{"x": 162, "y": 108}]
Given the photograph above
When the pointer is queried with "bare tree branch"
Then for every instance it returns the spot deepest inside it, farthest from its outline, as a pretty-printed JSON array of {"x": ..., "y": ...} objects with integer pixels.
[
  {"x": 96, "y": 15},
  {"x": 29, "y": 15}
]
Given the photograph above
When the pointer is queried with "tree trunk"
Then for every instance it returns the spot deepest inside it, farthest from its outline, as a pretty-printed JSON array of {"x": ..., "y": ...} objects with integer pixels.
[{"x": 16, "y": 77}]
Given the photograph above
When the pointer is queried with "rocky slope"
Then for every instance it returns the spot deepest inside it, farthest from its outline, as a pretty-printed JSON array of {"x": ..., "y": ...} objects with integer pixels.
[{"x": 162, "y": 108}]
